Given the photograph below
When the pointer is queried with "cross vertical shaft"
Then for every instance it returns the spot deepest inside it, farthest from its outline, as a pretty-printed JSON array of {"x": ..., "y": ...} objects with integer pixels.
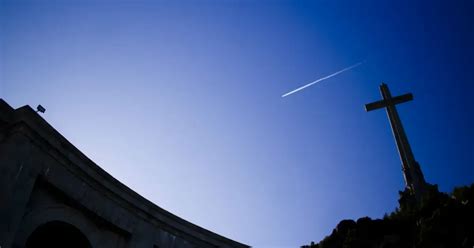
[{"x": 412, "y": 174}]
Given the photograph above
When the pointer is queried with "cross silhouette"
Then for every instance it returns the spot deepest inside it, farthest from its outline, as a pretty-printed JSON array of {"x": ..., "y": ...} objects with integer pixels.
[{"x": 414, "y": 179}]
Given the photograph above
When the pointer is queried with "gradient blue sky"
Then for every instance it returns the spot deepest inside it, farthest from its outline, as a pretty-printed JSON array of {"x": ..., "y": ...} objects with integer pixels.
[{"x": 181, "y": 101}]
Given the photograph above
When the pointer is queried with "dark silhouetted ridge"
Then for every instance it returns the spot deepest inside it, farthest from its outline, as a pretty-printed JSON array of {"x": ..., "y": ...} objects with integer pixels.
[{"x": 440, "y": 221}]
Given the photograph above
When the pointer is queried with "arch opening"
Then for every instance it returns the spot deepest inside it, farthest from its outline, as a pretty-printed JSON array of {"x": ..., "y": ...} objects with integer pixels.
[{"x": 57, "y": 234}]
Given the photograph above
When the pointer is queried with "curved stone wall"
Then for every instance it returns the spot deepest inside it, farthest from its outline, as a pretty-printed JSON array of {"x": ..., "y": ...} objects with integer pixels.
[{"x": 45, "y": 178}]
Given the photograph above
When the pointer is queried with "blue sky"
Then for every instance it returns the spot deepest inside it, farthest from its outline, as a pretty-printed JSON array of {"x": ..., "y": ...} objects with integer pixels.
[{"x": 181, "y": 101}]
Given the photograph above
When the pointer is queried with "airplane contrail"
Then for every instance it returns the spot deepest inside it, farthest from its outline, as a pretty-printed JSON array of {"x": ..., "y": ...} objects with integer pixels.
[{"x": 323, "y": 78}]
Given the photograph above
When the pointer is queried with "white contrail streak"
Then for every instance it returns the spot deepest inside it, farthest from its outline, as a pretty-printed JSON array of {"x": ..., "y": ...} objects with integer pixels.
[{"x": 323, "y": 78}]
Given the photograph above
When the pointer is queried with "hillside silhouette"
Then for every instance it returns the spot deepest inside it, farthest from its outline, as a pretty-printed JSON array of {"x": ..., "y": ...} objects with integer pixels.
[{"x": 440, "y": 221}]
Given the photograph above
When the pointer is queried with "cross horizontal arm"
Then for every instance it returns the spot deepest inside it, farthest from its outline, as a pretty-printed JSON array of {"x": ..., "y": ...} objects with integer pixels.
[
  {"x": 387, "y": 102},
  {"x": 375, "y": 105}
]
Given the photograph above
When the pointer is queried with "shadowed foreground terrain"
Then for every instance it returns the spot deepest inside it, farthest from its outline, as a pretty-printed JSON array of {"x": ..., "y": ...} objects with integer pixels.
[{"x": 441, "y": 220}]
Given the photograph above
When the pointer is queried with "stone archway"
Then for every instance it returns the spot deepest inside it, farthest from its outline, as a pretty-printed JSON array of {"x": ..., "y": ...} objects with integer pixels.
[{"x": 57, "y": 234}]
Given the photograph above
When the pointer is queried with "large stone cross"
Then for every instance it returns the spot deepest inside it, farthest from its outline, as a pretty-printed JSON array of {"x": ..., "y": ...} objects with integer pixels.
[{"x": 414, "y": 179}]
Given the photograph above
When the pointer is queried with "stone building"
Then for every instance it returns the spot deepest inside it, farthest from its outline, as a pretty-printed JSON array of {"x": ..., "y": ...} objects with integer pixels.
[{"x": 52, "y": 195}]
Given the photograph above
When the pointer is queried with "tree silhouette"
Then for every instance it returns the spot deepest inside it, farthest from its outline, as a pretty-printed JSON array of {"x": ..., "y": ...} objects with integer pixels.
[{"x": 439, "y": 221}]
